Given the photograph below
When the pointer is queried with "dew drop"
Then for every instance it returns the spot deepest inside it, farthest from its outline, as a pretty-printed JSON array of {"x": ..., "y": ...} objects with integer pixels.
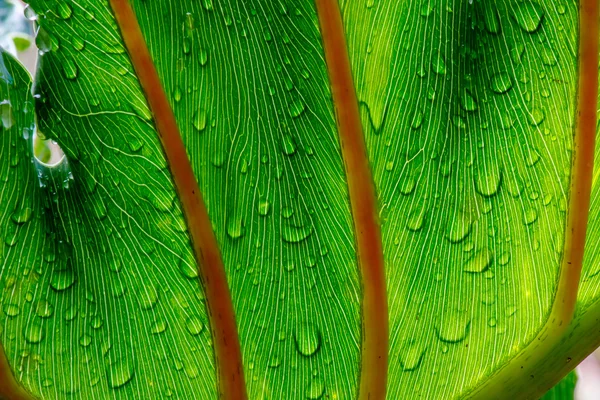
[
  {"x": 415, "y": 220},
  {"x": 530, "y": 216},
  {"x": 70, "y": 69},
  {"x": 295, "y": 234},
  {"x": 64, "y": 11},
  {"x": 487, "y": 179},
  {"x": 411, "y": 354},
  {"x": 62, "y": 280},
  {"x": 438, "y": 64},
  {"x": 147, "y": 297},
  {"x": 491, "y": 19},
  {"x": 159, "y": 326},
  {"x": 199, "y": 120},
  {"x": 263, "y": 208},
  {"x": 296, "y": 108},
  {"x": 119, "y": 373},
  {"x": 529, "y": 15},
  {"x": 454, "y": 327},
  {"x": 22, "y": 216},
  {"x": 501, "y": 83},
  {"x": 307, "y": 339},
  {"x": 11, "y": 310},
  {"x": 34, "y": 332},
  {"x": 479, "y": 262},
  {"x": 315, "y": 389},
  {"x": 287, "y": 145},
  {"x": 85, "y": 340},
  {"x": 536, "y": 116},
  {"x": 194, "y": 325},
  {"x": 44, "y": 309},
  {"x": 417, "y": 120},
  {"x": 458, "y": 228},
  {"x": 467, "y": 101}
]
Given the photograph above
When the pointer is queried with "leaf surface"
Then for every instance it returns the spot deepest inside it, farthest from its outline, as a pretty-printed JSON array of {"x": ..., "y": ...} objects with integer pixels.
[{"x": 468, "y": 112}]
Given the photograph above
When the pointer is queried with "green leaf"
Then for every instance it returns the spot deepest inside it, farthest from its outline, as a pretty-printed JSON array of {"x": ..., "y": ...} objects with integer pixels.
[{"x": 468, "y": 111}]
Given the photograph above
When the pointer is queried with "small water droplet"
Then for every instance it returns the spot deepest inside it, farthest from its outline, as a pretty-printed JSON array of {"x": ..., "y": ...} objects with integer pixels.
[
  {"x": 30, "y": 13},
  {"x": 536, "y": 116},
  {"x": 147, "y": 297},
  {"x": 487, "y": 179},
  {"x": 415, "y": 220},
  {"x": 516, "y": 53},
  {"x": 492, "y": 322},
  {"x": 264, "y": 207},
  {"x": 530, "y": 216},
  {"x": 85, "y": 340},
  {"x": 70, "y": 69},
  {"x": 159, "y": 326},
  {"x": 288, "y": 145},
  {"x": 417, "y": 120},
  {"x": 438, "y": 64},
  {"x": 199, "y": 120}
]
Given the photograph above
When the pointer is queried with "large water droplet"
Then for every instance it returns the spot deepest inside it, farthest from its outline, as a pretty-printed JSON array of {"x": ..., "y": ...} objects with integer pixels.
[
  {"x": 64, "y": 11},
  {"x": 44, "y": 309},
  {"x": 199, "y": 120},
  {"x": 296, "y": 108},
  {"x": 34, "y": 333},
  {"x": 458, "y": 228},
  {"x": 307, "y": 338},
  {"x": 294, "y": 234},
  {"x": 528, "y": 15},
  {"x": 119, "y": 373},
  {"x": 11, "y": 310},
  {"x": 454, "y": 327},
  {"x": 62, "y": 280},
  {"x": 147, "y": 297},
  {"x": 501, "y": 83},
  {"x": 194, "y": 325},
  {"x": 491, "y": 18},
  {"x": 315, "y": 389},
  {"x": 479, "y": 261},
  {"x": 21, "y": 216},
  {"x": 487, "y": 179},
  {"x": 416, "y": 219},
  {"x": 411, "y": 354}
]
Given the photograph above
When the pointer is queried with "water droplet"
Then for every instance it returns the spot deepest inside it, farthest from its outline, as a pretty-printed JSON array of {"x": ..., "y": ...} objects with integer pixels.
[
  {"x": 528, "y": 15},
  {"x": 491, "y": 18},
  {"x": 492, "y": 322},
  {"x": 530, "y": 216},
  {"x": 119, "y": 373},
  {"x": 274, "y": 361},
  {"x": 296, "y": 108},
  {"x": 411, "y": 354},
  {"x": 235, "y": 227},
  {"x": 6, "y": 115},
  {"x": 34, "y": 333},
  {"x": 264, "y": 207},
  {"x": 438, "y": 64},
  {"x": 159, "y": 326},
  {"x": 454, "y": 327},
  {"x": 415, "y": 220},
  {"x": 467, "y": 101},
  {"x": 11, "y": 310},
  {"x": 207, "y": 4},
  {"x": 44, "y": 309},
  {"x": 62, "y": 280},
  {"x": 199, "y": 120},
  {"x": 70, "y": 69},
  {"x": 77, "y": 43},
  {"x": 458, "y": 228},
  {"x": 64, "y": 11},
  {"x": 315, "y": 389},
  {"x": 307, "y": 339},
  {"x": 85, "y": 340},
  {"x": 504, "y": 258},
  {"x": 487, "y": 179},
  {"x": 417, "y": 120},
  {"x": 203, "y": 57},
  {"x": 480, "y": 261},
  {"x": 426, "y": 9},
  {"x": 501, "y": 83},
  {"x": 459, "y": 122},
  {"x": 287, "y": 145},
  {"x": 536, "y": 116},
  {"x": 516, "y": 53},
  {"x": 177, "y": 94},
  {"x": 295, "y": 234},
  {"x": 97, "y": 322},
  {"x": 548, "y": 56},
  {"x": 30, "y": 13},
  {"x": 194, "y": 325},
  {"x": 22, "y": 216},
  {"x": 147, "y": 297}
]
